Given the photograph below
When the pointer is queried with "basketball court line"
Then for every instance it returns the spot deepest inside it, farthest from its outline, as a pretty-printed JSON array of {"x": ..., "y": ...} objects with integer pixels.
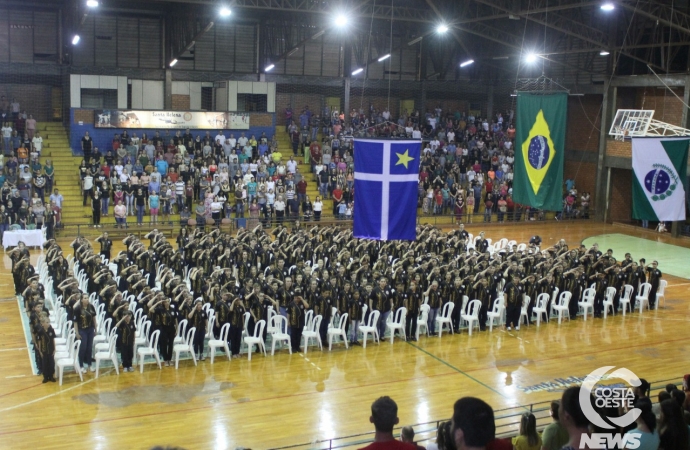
[{"x": 446, "y": 363}]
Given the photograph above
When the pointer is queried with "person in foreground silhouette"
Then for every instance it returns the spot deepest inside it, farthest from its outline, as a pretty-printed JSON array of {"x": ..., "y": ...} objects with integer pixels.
[{"x": 384, "y": 416}]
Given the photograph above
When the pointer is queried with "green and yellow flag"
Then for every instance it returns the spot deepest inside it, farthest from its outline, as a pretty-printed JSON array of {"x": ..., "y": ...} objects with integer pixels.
[{"x": 539, "y": 148}]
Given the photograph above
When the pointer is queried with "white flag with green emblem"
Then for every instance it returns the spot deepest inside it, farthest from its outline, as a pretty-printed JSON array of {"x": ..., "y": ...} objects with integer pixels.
[{"x": 660, "y": 181}]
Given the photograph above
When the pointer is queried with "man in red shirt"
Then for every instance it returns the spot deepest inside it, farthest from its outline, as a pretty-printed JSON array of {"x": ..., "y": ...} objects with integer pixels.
[
  {"x": 301, "y": 189},
  {"x": 384, "y": 416},
  {"x": 315, "y": 153}
]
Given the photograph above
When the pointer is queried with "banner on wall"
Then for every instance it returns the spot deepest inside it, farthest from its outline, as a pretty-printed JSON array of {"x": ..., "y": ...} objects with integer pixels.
[{"x": 197, "y": 120}]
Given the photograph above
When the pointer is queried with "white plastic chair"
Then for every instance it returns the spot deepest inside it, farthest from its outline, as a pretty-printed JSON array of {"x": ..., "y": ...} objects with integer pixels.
[
  {"x": 211, "y": 322},
  {"x": 257, "y": 339},
  {"x": 660, "y": 293},
  {"x": 338, "y": 331},
  {"x": 554, "y": 300},
  {"x": 313, "y": 333},
  {"x": 587, "y": 302},
  {"x": 280, "y": 333},
  {"x": 397, "y": 323},
  {"x": 540, "y": 307},
  {"x": 103, "y": 333},
  {"x": 308, "y": 319},
  {"x": 445, "y": 319},
  {"x": 608, "y": 300},
  {"x": 495, "y": 313},
  {"x": 626, "y": 298},
  {"x": 64, "y": 331},
  {"x": 110, "y": 354},
  {"x": 185, "y": 346},
  {"x": 472, "y": 315},
  {"x": 62, "y": 350},
  {"x": 370, "y": 327},
  {"x": 642, "y": 297},
  {"x": 422, "y": 320},
  {"x": 152, "y": 350},
  {"x": 180, "y": 332},
  {"x": 221, "y": 342},
  {"x": 524, "y": 309},
  {"x": 245, "y": 328},
  {"x": 143, "y": 339},
  {"x": 269, "y": 323},
  {"x": 562, "y": 307},
  {"x": 72, "y": 360}
]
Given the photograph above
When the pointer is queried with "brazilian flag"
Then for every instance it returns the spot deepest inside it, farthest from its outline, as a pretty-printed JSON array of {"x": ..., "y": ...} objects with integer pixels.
[{"x": 539, "y": 148}]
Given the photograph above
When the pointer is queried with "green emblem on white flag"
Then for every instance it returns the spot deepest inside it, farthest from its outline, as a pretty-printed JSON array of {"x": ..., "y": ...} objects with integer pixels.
[{"x": 660, "y": 174}]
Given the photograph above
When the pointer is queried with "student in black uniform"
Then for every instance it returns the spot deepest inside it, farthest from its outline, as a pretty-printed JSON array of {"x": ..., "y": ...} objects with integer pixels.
[
  {"x": 198, "y": 318},
  {"x": 296, "y": 309},
  {"x": 84, "y": 320},
  {"x": 106, "y": 245},
  {"x": 96, "y": 208},
  {"x": 237, "y": 311},
  {"x": 126, "y": 331},
  {"x": 653, "y": 278},
  {"x": 46, "y": 349},
  {"x": 512, "y": 295}
]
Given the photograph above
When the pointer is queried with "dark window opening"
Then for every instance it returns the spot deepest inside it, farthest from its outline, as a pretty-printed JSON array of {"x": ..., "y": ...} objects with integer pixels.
[
  {"x": 99, "y": 98},
  {"x": 252, "y": 102},
  {"x": 207, "y": 98}
]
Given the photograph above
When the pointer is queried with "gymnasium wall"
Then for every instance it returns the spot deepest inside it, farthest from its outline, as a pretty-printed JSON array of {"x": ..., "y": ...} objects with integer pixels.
[
  {"x": 620, "y": 206},
  {"x": 582, "y": 142},
  {"x": 102, "y": 137}
]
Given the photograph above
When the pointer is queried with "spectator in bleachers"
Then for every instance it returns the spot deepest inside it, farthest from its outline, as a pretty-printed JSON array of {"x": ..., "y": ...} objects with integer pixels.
[{"x": 555, "y": 434}]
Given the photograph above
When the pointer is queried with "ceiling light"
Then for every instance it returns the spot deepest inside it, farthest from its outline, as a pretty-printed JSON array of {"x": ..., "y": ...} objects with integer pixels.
[
  {"x": 269, "y": 67},
  {"x": 531, "y": 58},
  {"x": 385, "y": 57},
  {"x": 608, "y": 7},
  {"x": 75, "y": 39},
  {"x": 442, "y": 28},
  {"x": 341, "y": 21},
  {"x": 604, "y": 53},
  {"x": 358, "y": 71},
  {"x": 92, "y": 3},
  {"x": 414, "y": 41},
  {"x": 225, "y": 11},
  {"x": 467, "y": 63},
  {"x": 173, "y": 62}
]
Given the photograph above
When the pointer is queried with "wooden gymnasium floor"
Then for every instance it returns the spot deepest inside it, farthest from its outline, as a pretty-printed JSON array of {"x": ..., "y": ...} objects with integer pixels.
[{"x": 285, "y": 399}]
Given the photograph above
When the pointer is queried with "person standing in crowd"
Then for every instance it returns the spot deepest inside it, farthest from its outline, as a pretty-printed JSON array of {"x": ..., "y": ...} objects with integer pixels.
[
  {"x": 384, "y": 416},
  {"x": 554, "y": 435},
  {"x": 126, "y": 331},
  {"x": 85, "y": 327},
  {"x": 45, "y": 342}
]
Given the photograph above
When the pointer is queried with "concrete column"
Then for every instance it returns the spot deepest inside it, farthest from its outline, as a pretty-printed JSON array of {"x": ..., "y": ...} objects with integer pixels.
[
  {"x": 346, "y": 96},
  {"x": 167, "y": 89},
  {"x": 675, "y": 226},
  {"x": 600, "y": 200}
]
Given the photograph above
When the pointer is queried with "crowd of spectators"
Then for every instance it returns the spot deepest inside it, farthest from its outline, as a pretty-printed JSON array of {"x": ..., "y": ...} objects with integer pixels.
[
  {"x": 210, "y": 176},
  {"x": 25, "y": 181}
]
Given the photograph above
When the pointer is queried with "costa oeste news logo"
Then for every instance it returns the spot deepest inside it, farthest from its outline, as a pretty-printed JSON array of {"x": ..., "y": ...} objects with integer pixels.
[{"x": 615, "y": 396}]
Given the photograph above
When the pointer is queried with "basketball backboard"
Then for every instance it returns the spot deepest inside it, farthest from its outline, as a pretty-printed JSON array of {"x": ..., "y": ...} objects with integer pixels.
[{"x": 631, "y": 123}]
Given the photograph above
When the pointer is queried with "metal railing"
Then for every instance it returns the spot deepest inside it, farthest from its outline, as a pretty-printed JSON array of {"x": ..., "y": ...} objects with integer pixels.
[{"x": 507, "y": 424}]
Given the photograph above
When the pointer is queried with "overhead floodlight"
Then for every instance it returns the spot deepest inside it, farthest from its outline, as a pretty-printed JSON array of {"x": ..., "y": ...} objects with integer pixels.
[
  {"x": 442, "y": 28},
  {"x": 92, "y": 3},
  {"x": 341, "y": 20},
  {"x": 75, "y": 39},
  {"x": 173, "y": 62},
  {"x": 604, "y": 53},
  {"x": 531, "y": 58},
  {"x": 358, "y": 71},
  {"x": 225, "y": 11},
  {"x": 269, "y": 67},
  {"x": 467, "y": 63},
  {"x": 385, "y": 57},
  {"x": 608, "y": 7}
]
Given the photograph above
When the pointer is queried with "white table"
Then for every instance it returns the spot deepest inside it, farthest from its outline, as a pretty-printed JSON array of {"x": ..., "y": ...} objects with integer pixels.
[{"x": 32, "y": 238}]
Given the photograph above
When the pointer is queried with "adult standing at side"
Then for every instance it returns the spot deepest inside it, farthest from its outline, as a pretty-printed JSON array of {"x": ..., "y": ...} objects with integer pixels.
[{"x": 84, "y": 320}]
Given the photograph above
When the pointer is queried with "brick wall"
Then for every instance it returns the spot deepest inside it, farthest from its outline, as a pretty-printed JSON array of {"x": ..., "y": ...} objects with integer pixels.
[
  {"x": 667, "y": 108},
  {"x": 620, "y": 207},
  {"x": 298, "y": 101},
  {"x": 584, "y": 174},
  {"x": 180, "y": 102},
  {"x": 619, "y": 148},
  {"x": 583, "y": 122},
  {"x": 453, "y": 105},
  {"x": 35, "y": 99}
]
